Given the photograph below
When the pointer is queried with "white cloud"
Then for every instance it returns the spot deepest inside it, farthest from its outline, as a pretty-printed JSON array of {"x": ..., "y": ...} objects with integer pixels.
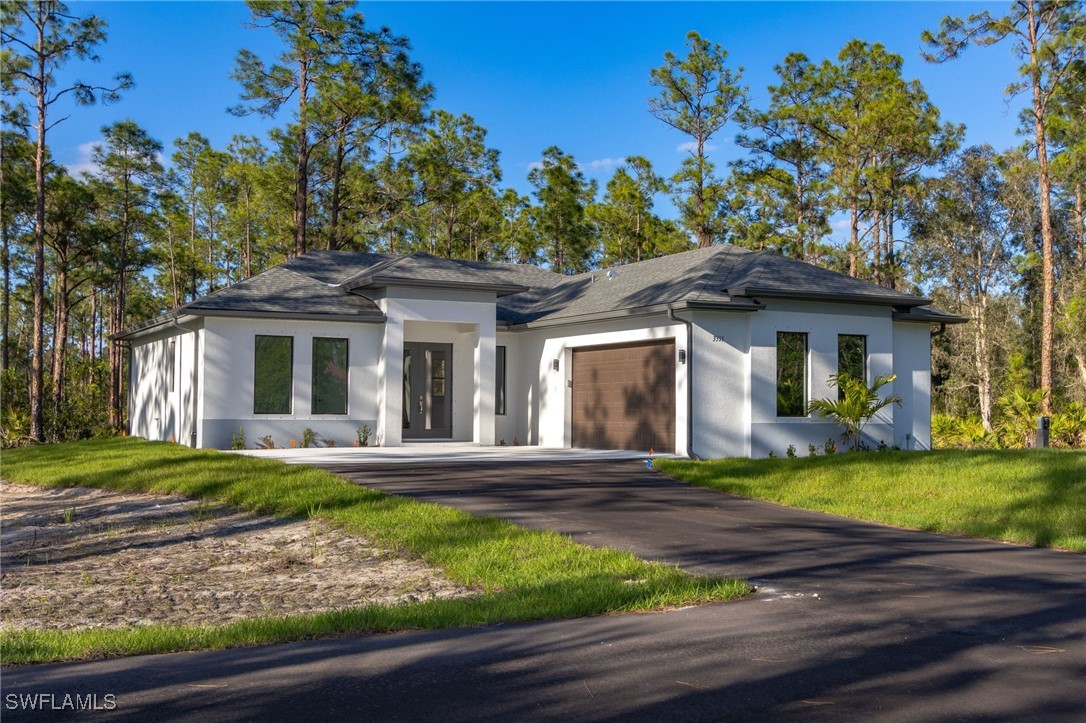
[
  {"x": 83, "y": 163},
  {"x": 535, "y": 165},
  {"x": 601, "y": 164},
  {"x": 691, "y": 146}
]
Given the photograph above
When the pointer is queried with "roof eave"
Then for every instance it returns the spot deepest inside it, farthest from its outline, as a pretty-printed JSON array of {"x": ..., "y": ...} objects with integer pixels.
[
  {"x": 942, "y": 318},
  {"x": 634, "y": 312},
  {"x": 186, "y": 313},
  {"x": 874, "y": 299}
]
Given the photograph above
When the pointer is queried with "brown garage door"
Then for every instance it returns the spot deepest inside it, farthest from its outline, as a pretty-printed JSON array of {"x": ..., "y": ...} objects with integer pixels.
[{"x": 624, "y": 396}]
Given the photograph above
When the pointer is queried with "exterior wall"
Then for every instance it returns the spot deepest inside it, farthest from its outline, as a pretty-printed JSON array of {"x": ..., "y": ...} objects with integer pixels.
[
  {"x": 226, "y": 389},
  {"x": 463, "y": 318},
  {"x": 912, "y": 362},
  {"x": 546, "y": 419},
  {"x": 823, "y": 323},
  {"x": 720, "y": 364},
  {"x": 155, "y": 412},
  {"x": 508, "y": 427}
]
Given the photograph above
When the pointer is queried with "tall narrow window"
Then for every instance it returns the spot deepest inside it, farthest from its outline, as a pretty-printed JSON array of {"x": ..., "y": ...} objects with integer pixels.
[
  {"x": 791, "y": 374},
  {"x": 273, "y": 369},
  {"x": 499, "y": 380},
  {"x": 329, "y": 376},
  {"x": 171, "y": 364},
  {"x": 852, "y": 355}
]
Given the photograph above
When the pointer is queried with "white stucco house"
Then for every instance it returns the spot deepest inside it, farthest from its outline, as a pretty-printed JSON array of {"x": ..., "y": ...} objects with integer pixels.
[{"x": 713, "y": 352}]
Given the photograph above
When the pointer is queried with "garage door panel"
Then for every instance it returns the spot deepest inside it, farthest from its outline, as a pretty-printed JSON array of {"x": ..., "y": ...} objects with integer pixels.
[{"x": 624, "y": 396}]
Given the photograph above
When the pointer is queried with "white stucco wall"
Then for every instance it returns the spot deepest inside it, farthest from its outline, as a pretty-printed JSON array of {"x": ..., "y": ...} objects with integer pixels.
[
  {"x": 227, "y": 386},
  {"x": 912, "y": 363},
  {"x": 720, "y": 365},
  {"x": 466, "y": 319},
  {"x": 155, "y": 412},
  {"x": 822, "y": 322},
  {"x": 508, "y": 426}
]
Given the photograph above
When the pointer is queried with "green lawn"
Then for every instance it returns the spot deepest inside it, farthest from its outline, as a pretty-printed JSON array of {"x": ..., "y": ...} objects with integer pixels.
[
  {"x": 526, "y": 575},
  {"x": 1035, "y": 497}
]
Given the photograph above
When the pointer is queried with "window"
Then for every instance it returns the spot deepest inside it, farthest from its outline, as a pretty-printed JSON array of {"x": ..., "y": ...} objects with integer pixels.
[
  {"x": 852, "y": 355},
  {"x": 329, "y": 376},
  {"x": 171, "y": 363},
  {"x": 273, "y": 369},
  {"x": 499, "y": 380},
  {"x": 791, "y": 374}
]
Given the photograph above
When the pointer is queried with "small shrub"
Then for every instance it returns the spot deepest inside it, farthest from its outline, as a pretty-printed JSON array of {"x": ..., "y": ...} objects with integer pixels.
[
  {"x": 364, "y": 433},
  {"x": 237, "y": 439},
  {"x": 309, "y": 438},
  {"x": 772, "y": 454},
  {"x": 812, "y": 451},
  {"x": 1069, "y": 426},
  {"x": 830, "y": 446},
  {"x": 266, "y": 442},
  {"x": 791, "y": 451},
  {"x": 856, "y": 404}
]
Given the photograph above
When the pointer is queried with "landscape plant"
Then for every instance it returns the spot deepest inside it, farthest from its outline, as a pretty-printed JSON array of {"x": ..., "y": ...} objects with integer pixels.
[{"x": 855, "y": 405}]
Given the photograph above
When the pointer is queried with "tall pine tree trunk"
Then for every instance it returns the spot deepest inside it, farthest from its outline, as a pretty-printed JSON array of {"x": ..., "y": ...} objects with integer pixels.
[
  {"x": 854, "y": 238},
  {"x": 876, "y": 243},
  {"x": 335, "y": 240},
  {"x": 37, "y": 367},
  {"x": 116, "y": 358},
  {"x": 60, "y": 342},
  {"x": 981, "y": 361},
  {"x": 5, "y": 312},
  {"x": 301, "y": 190},
  {"x": 1080, "y": 214},
  {"x": 1047, "y": 265}
]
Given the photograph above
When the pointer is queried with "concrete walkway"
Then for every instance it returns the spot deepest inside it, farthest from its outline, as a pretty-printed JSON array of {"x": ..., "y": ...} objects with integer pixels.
[
  {"x": 854, "y": 622},
  {"x": 440, "y": 452}
]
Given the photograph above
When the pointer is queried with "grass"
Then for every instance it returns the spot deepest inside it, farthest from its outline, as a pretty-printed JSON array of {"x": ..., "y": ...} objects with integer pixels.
[
  {"x": 1034, "y": 497},
  {"x": 522, "y": 574}
]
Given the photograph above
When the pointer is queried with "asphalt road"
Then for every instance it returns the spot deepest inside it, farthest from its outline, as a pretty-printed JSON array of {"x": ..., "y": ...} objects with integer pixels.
[{"x": 852, "y": 622}]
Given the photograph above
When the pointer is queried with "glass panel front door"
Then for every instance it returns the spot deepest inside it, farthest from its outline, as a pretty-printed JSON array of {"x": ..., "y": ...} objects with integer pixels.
[{"x": 427, "y": 390}]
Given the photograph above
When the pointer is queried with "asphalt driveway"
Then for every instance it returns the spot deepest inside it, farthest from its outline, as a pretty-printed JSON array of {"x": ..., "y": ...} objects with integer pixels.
[{"x": 852, "y": 622}]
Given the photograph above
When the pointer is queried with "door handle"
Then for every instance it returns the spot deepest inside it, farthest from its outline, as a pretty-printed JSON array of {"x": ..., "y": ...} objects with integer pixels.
[{"x": 420, "y": 404}]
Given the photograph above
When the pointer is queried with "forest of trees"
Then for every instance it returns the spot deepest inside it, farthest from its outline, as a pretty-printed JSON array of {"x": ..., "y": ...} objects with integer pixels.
[{"x": 364, "y": 162}]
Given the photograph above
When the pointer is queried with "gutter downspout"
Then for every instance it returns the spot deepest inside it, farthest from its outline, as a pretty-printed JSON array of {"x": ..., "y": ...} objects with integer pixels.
[
  {"x": 195, "y": 375},
  {"x": 940, "y": 331},
  {"x": 689, "y": 381}
]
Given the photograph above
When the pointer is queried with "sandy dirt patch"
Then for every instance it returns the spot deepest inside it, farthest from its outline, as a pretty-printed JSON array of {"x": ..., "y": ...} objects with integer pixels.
[{"x": 83, "y": 558}]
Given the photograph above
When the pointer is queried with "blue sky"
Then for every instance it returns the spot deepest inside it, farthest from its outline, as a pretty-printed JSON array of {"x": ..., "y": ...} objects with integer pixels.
[{"x": 569, "y": 74}]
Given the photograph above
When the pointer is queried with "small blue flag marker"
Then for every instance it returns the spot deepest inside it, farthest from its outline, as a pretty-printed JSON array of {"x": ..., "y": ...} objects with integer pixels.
[{"x": 648, "y": 464}]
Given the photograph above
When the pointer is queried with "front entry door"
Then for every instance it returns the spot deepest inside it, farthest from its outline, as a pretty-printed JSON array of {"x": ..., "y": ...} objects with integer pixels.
[{"x": 427, "y": 390}]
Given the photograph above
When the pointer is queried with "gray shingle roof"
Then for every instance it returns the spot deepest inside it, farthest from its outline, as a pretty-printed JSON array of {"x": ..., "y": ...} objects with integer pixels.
[
  {"x": 334, "y": 283},
  {"x": 425, "y": 270},
  {"x": 281, "y": 290},
  {"x": 769, "y": 274}
]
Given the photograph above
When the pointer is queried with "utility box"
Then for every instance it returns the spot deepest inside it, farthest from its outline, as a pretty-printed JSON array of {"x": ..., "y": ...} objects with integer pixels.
[{"x": 1043, "y": 427}]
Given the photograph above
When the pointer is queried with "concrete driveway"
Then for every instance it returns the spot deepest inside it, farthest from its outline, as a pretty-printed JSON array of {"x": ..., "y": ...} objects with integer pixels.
[{"x": 853, "y": 622}]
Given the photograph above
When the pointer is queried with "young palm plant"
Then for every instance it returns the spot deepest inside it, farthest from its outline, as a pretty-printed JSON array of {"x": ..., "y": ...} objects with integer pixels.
[{"x": 855, "y": 405}]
